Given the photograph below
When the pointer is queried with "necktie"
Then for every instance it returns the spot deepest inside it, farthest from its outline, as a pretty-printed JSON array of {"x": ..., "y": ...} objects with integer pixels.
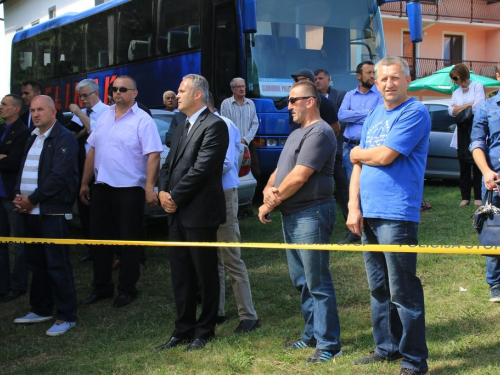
[{"x": 89, "y": 111}]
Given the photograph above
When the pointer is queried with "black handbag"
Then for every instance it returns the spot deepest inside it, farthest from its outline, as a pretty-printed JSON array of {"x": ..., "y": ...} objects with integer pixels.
[
  {"x": 487, "y": 222},
  {"x": 464, "y": 128},
  {"x": 465, "y": 116}
]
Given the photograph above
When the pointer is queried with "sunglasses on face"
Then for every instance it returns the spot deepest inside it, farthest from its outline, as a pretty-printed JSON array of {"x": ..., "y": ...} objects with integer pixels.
[
  {"x": 292, "y": 100},
  {"x": 455, "y": 78},
  {"x": 121, "y": 89}
]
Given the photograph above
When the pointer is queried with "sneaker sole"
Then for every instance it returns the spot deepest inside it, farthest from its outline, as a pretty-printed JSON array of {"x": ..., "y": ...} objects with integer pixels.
[
  {"x": 53, "y": 334},
  {"x": 494, "y": 299},
  {"x": 27, "y": 321}
]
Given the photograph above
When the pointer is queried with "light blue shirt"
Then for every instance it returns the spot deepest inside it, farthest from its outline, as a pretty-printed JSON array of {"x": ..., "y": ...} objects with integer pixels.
[
  {"x": 230, "y": 179},
  {"x": 486, "y": 131},
  {"x": 394, "y": 191},
  {"x": 354, "y": 109}
]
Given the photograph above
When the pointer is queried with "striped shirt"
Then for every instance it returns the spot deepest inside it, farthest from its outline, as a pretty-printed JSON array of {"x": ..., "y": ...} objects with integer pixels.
[
  {"x": 244, "y": 116},
  {"x": 29, "y": 178}
]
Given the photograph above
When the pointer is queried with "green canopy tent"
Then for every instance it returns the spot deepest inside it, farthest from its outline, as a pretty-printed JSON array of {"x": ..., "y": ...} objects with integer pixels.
[{"x": 440, "y": 81}]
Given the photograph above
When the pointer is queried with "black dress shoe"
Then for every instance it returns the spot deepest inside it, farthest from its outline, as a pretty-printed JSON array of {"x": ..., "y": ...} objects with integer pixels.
[
  {"x": 122, "y": 300},
  {"x": 173, "y": 342},
  {"x": 12, "y": 295},
  {"x": 197, "y": 344},
  {"x": 220, "y": 319},
  {"x": 92, "y": 299},
  {"x": 247, "y": 325},
  {"x": 86, "y": 258}
]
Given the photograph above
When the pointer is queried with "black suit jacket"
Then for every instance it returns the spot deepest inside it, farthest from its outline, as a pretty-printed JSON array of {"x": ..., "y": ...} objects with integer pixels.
[
  {"x": 13, "y": 146},
  {"x": 337, "y": 96},
  {"x": 26, "y": 115},
  {"x": 179, "y": 118},
  {"x": 192, "y": 172}
]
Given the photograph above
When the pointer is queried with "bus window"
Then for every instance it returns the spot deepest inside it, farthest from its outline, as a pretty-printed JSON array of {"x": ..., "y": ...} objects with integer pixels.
[
  {"x": 135, "y": 25},
  {"x": 22, "y": 62},
  {"x": 179, "y": 26},
  {"x": 99, "y": 31},
  {"x": 70, "y": 47},
  {"x": 45, "y": 56}
]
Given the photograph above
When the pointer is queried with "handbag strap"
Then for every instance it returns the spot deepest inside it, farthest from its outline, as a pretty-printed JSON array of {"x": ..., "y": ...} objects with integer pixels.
[{"x": 488, "y": 197}]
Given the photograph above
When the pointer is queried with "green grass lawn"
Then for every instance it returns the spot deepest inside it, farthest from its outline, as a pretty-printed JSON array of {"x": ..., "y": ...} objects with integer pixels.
[{"x": 462, "y": 326}]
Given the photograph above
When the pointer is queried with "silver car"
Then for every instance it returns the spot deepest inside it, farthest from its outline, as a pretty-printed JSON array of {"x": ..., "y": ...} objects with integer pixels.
[{"x": 442, "y": 160}]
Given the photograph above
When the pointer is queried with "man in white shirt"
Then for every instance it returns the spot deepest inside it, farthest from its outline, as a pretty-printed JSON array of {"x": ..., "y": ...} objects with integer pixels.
[
  {"x": 124, "y": 157},
  {"x": 83, "y": 121}
]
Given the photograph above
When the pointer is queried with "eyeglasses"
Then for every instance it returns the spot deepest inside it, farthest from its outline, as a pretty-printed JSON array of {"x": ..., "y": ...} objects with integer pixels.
[
  {"x": 121, "y": 89},
  {"x": 293, "y": 100},
  {"x": 85, "y": 96},
  {"x": 455, "y": 78},
  {"x": 239, "y": 87}
]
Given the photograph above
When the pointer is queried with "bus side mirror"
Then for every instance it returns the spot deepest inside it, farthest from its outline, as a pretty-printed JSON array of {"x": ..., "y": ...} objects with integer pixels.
[
  {"x": 249, "y": 16},
  {"x": 414, "y": 11}
]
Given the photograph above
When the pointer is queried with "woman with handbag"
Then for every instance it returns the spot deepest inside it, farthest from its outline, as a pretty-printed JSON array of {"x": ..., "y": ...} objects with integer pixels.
[{"x": 464, "y": 102}]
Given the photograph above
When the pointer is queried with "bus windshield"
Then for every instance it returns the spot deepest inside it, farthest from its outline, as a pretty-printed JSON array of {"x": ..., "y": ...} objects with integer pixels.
[{"x": 296, "y": 34}]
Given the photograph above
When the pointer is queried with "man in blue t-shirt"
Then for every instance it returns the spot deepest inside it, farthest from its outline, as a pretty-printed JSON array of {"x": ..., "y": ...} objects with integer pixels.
[{"x": 384, "y": 207}]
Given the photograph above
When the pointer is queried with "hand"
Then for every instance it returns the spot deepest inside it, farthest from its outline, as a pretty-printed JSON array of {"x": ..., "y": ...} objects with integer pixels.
[
  {"x": 263, "y": 211},
  {"x": 2, "y": 156},
  {"x": 167, "y": 203},
  {"x": 243, "y": 141},
  {"x": 74, "y": 109},
  {"x": 271, "y": 197},
  {"x": 355, "y": 221},
  {"x": 491, "y": 179},
  {"x": 152, "y": 198},
  {"x": 85, "y": 194},
  {"x": 22, "y": 204}
]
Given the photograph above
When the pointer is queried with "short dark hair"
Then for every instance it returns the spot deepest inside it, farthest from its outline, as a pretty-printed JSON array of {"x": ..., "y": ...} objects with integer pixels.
[
  {"x": 134, "y": 84},
  {"x": 210, "y": 101},
  {"x": 359, "y": 68},
  {"x": 18, "y": 101},
  {"x": 324, "y": 71},
  {"x": 311, "y": 90},
  {"x": 37, "y": 86},
  {"x": 461, "y": 70}
]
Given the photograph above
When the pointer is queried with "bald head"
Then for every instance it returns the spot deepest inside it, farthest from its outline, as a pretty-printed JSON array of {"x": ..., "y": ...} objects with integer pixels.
[
  {"x": 170, "y": 100},
  {"x": 43, "y": 112}
]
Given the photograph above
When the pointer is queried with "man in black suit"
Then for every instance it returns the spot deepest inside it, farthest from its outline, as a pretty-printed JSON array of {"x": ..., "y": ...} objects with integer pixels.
[
  {"x": 190, "y": 190},
  {"x": 13, "y": 137},
  {"x": 29, "y": 90},
  {"x": 179, "y": 118}
]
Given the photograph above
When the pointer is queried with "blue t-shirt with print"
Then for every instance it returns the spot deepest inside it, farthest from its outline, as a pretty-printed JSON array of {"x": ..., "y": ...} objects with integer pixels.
[{"x": 394, "y": 191}]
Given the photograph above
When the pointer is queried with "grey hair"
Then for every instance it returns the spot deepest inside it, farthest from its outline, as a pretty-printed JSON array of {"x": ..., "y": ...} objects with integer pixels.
[
  {"x": 393, "y": 60},
  {"x": 87, "y": 82},
  {"x": 234, "y": 80},
  {"x": 199, "y": 83}
]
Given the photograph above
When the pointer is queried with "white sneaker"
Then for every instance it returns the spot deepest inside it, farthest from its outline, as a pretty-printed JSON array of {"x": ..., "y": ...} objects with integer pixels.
[
  {"x": 32, "y": 318},
  {"x": 60, "y": 327}
]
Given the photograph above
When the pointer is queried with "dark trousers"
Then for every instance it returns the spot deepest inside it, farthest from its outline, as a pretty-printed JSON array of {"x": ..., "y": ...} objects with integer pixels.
[
  {"x": 193, "y": 269},
  {"x": 254, "y": 162},
  {"x": 470, "y": 176},
  {"x": 116, "y": 214},
  {"x": 341, "y": 185},
  {"x": 52, "y": 281}
]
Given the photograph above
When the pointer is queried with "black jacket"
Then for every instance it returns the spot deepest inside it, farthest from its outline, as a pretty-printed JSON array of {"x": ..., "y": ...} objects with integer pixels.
[
  {"x": 13, "y": 146},
  {"x": 57, "y": 172}
]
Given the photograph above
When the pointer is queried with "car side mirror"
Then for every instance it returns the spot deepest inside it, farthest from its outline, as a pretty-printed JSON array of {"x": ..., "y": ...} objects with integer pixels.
[{"x": 452, "y": 127}]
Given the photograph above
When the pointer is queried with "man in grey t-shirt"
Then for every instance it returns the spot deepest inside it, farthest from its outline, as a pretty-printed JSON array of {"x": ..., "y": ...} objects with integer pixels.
[{"x": 302, "y": 188}]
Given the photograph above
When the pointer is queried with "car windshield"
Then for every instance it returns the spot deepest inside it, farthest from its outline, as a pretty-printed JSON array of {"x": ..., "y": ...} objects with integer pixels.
[{"x": 162, "y": 123}]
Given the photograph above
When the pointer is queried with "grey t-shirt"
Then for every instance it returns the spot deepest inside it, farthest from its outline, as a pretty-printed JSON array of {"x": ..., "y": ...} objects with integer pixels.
[{"x": 313, "y": 146}]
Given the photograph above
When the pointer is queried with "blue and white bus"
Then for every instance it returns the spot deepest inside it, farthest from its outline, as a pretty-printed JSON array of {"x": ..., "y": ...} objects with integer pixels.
[{"x": 157, "y": 42}]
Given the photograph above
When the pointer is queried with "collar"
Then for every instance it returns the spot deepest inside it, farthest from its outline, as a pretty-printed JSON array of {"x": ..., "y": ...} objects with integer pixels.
[
  {"x": 46, "y": 134},
  {"x": 195, "y": 116},
  {"x": 372, "y": 89},
  {"x": 245, "y": 100}
]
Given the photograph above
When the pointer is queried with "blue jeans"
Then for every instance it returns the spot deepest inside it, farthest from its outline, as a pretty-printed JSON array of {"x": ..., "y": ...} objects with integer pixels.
[
  {"x": 310, "y": 273},
  {"x": 492, "y": 263},
  {"x": 397, "y": 297},
  {"x": 52, "y": 282},
  {"x": 346, "y": 160},
  {"x": 11, "y": 225}
]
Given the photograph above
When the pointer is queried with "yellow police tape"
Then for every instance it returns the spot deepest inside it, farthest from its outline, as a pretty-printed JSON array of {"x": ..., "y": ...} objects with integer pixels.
[{"x": 434, "y": 249}]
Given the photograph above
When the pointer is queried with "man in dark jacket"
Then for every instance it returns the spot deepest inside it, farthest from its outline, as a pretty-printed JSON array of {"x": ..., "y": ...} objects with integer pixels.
[
  {"x": 46, "y": 190},
  {"x": 13, "y": 138}
]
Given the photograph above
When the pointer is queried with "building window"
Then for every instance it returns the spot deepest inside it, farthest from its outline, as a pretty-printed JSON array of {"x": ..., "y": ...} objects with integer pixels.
[
  {"x": 52, "y": 12},
  {"x": 36, "y": 22},
  {"x": 19, "y": 29},
  {"x": 99, "y": 2},
  {"x": 453, "y": 49}
]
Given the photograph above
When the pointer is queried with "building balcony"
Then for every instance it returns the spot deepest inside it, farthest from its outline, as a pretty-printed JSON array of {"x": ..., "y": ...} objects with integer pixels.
[
  {"x": 422, "y": 67},
  {"x": 473, "y": 11}
]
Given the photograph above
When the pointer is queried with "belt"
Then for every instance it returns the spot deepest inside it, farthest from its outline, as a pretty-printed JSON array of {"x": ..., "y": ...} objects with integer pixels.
[{"x": 351, "y": 141}]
